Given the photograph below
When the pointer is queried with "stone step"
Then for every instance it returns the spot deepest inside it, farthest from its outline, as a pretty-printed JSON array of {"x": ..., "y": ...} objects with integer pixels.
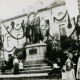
[
  {"x": 34, "y": 76},
  {"x": 25, "y": 75},
  {"x": 37, "y": 68},
  {"x": 33, "y": 68},
  {"x": 29, "y": 71},
  {"x": 36, "y": 71},
  {"x": 33, "y": 62},
  {"x": 35, "y": 65}
]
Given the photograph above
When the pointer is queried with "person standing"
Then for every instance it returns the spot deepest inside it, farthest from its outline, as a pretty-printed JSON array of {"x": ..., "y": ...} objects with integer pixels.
[
  {"x": 75, "y": 60},
  {"x": 2, "y": 64},
  {"x": 78, "y": 69},
  {"x": 20, "y": 65},
  {"x": 16, "y": 65},
  {"x": 30, "y": 30},
  {"x": 10, "y": 62},
  {"x": 69, "y": 71}
]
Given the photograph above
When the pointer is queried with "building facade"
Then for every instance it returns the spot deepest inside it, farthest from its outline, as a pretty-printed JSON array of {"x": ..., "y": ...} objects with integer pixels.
[
  {"x": 12, "y": 35},
  {"x": 55, "y": 15}
]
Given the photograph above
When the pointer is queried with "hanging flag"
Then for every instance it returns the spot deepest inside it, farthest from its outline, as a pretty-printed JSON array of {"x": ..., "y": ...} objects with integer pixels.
[{"x": 72, "y": 8}]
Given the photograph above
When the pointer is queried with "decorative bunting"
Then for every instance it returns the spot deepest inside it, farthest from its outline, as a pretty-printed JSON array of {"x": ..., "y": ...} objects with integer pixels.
[{"x": 61, "y": 18}]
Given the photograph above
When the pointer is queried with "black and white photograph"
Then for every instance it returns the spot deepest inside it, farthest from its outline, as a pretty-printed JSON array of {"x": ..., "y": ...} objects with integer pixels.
[{"x": 39, "y": 39}]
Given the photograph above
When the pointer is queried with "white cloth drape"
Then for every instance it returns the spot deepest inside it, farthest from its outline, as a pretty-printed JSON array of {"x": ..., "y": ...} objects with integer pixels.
[{"x": 68, "y": 74}]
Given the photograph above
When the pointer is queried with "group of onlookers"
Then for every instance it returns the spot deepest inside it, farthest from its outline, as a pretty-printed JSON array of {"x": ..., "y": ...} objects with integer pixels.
[
  {"x": 12, "y": 63},
  {"x": 66, "y": 62},
  {"x": 70, "y": 69}
]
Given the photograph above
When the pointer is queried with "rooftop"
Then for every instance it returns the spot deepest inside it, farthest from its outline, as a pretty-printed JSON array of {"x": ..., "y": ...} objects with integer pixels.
[{"x": 53, "y": 4}]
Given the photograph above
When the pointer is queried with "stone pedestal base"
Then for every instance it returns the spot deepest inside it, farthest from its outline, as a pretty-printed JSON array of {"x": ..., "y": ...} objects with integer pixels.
[{"x": 35, "y": 53}]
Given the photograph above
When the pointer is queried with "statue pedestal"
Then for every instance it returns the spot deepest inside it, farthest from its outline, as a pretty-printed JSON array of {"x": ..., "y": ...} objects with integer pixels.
[{"x": 35, "y": 53}]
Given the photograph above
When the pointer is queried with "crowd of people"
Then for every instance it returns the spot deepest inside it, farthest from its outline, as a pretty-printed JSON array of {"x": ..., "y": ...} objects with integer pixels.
[
  {"x": 12, "y": 63},
  {"x": 64, "y": 60}
]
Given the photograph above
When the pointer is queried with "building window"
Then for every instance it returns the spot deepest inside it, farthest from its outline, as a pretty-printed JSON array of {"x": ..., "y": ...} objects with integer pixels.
[
  {"x": 62, "y": 29},
  {"x": 18, "y": 41},
  {"x": 47, "y": 27},
  {"x": 47, "y": 23}
]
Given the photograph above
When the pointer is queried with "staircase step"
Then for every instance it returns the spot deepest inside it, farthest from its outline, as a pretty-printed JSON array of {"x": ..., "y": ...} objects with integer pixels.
[
  {"x": 29, "y": 71},
  {"x": 33, "y": 75},
  {"x": 32, "y": 65},
  {"x": 33, "y": 62},
  {"x": 37, "y": 68},
  {"x": 8, "y": 73},
  {"x": 36, "y": 71}
]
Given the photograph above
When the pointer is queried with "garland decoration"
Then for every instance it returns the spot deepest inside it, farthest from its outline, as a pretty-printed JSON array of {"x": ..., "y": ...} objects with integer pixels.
[
  {"x": 72, "y": 32},
  {"x": 12, "y": 49},
  {"x": 61, "y": 18},
  {"x": 18, "y": 28},
  {"x": 12, "y": 35},
  {"x": 9, "y": 50},
  {"x": 10, "y": 30}
]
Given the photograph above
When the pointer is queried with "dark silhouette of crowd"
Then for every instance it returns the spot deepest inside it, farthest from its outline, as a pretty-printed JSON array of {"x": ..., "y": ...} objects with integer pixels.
[
  {"x": 7, "y": 65},
  {"x": 58, "y": 51}
]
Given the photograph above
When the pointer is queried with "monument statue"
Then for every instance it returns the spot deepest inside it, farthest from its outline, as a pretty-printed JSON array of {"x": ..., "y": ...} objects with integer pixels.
[{"x": 33, "y": 31}]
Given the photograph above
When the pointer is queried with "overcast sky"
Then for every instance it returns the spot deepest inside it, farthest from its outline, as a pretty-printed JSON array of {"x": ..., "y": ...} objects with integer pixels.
[{"x": 11, "y": 8}]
